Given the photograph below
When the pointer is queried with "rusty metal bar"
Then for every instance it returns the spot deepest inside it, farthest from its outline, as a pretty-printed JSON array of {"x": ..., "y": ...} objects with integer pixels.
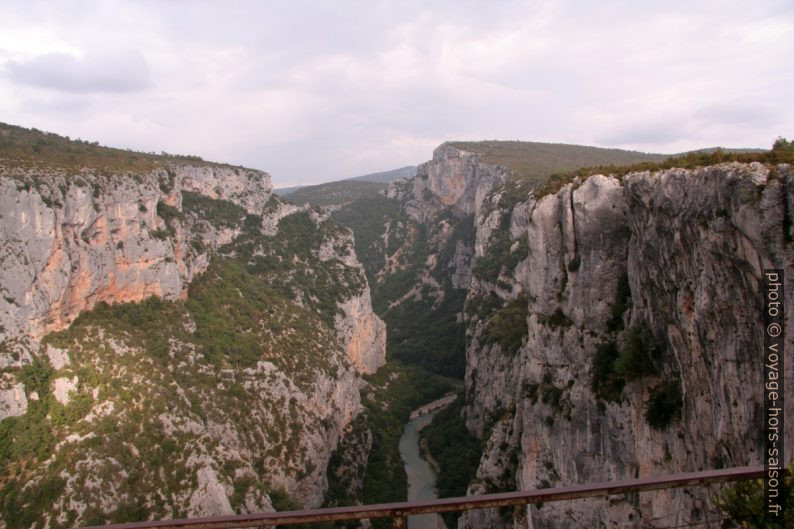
[{"x": 400, "y": 510}]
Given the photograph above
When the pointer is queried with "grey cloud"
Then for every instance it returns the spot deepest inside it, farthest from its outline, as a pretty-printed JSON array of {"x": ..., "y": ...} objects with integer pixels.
[
  {"x": 120, "y": 72},
  {"x": 647, "y": 132},
  {"x": 738, "y": 113},
  {"x": 310, "y": 91}
]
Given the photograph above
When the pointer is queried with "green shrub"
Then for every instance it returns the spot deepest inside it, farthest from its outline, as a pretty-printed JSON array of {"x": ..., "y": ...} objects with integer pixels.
[
  {"x": 664, "y": 404},
  {"x": 168, "y": 213},
  {"x": 159, "y": 234},
  {"x": 508, "y": 326},
  {"x": 78, "y": 407},
  {"x": 222, "y": 213},
  {"x": 456, "y": 451},
  {"x": 556, "y": 319},
  {"x": 281, "y": 500},
  {"x": 639, "y": 350},
  {"x": 745, "y": 505},
  {"x": 605, "y": 382},
  {"x": 783, "y": 151},
  {"x": 551, "y": 395},
  {"x": 499, "y": 254},
  {"x": 36, "y": 376}
]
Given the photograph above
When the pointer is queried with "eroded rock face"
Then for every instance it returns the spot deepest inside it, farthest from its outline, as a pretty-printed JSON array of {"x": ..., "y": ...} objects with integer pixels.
[
  {"x": 246, "y": 187},
  {"x": 692, "y": 245},
  {"x": 452, "y": 178},
  {"x": 70, "y": 242},
  {"x": 13, "y": 400},
  {"x": 361, "y": 332},
  {"x": 74, "y": 242}
]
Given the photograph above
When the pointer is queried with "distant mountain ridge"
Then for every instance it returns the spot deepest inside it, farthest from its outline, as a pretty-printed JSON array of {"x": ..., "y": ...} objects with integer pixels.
[
  {"x": 387, "y": 176},
  {"x": 383, "y": 177}
]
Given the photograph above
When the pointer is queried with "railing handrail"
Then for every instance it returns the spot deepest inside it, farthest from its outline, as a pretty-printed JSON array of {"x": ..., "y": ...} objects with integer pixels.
[{"x": 402, "y": 509}]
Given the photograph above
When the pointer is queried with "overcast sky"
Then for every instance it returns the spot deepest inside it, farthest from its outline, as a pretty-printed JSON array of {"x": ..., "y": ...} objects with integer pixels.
[{"x": 317, "y": 91}]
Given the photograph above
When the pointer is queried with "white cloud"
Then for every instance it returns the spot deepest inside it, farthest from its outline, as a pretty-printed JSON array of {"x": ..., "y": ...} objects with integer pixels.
[
  {"x": 311, "y": 91},
  {"x": 118, "y": 72}
]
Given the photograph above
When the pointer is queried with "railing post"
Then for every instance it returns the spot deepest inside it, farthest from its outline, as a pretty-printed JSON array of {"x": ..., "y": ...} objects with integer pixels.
[{"x": 399, "y": 522}]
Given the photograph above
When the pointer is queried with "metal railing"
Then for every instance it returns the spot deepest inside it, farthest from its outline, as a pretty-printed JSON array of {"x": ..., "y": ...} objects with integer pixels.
[{"x": 398, "y": 511}]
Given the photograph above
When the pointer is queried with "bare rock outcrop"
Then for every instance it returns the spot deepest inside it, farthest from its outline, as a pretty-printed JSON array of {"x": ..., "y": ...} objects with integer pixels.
[
  {"x": 76, "y": 241},
  {"x": 69, "y": 242},
  {"x": 690, "y": 246}
]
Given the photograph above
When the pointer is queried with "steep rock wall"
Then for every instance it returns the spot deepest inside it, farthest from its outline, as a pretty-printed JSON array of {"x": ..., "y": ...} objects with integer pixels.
[
  {"x": 72, "y": 242},
  {"x": 360, "y": 331},
  {"x": 453, "y": 178},
  {"x": 692, "y": 244}
]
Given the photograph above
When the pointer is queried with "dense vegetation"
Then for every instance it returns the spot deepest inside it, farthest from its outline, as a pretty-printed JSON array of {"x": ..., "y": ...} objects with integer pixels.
[
  {"x": 782, "y": 152},
  {"x": 198, "y": 360},
  {"x": 416, "y": 294},
  {"x": 394, "y": 249},
  {"x": 430, "y": 336},
  {"x": 508, "y": 326},
  {"x": 502, "y": 253},
  {"x": 368, "y": 218},
  {"x": 335, "y": 193},
  {"x": 289, "y": 261},
  {"x": 143, "y": 360},
  {"x": 534, "y": 162},
  {"x": 392, "y": 393},
  {"x": 221, "y": 213},
  {"x": 744, "y": 503},
  {"x": 45, "y": 150},
  {"x": 456, "y": 451}
]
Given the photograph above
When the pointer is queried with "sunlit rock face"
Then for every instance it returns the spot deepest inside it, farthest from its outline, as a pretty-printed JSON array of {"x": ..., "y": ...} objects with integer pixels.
[
  {"x": 363, "y": 333},
  {"x": 453, "y": 178},
  {"x": 74, "y": 242},
  {"x": 236, "y": 435}
]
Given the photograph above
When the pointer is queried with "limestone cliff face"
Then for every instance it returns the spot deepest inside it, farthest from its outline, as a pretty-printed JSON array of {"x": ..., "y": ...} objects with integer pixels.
[
  {"x": 670, "y": 260},
  {"x": 69, "y": 242},
  {"x": 248, "y": 188},
  {"x": 73, "y": 242},
  {"x": 453, "y": 178},
  {"x": 360, "y": 331},
  {"x": 692, "y": 245}
]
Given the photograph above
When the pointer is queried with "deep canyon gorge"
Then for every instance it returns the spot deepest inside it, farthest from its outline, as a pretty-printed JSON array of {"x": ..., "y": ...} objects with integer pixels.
[{"x": 177, "y": 340}]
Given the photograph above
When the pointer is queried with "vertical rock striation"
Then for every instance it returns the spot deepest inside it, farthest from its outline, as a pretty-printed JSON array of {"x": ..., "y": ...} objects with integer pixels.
[
  {"x": 71, "y": 242},
  {"x": 691, "y": 245},
  {"x": 76, "y": 241}
]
